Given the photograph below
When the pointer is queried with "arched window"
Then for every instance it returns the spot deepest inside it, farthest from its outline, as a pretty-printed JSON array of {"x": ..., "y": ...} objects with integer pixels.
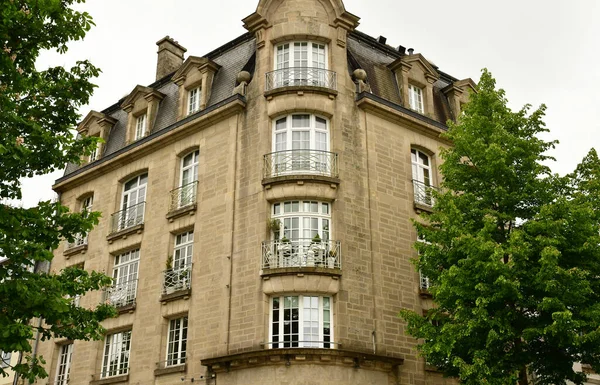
[
  {"x": 422, "y": 177},
  {"x": 301, "y": 144},
  {"x": 133, "y": 201}
]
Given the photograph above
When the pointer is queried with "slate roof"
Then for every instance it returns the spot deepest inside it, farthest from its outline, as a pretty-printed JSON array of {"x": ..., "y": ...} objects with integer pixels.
[{"x": 239, "y": 54}]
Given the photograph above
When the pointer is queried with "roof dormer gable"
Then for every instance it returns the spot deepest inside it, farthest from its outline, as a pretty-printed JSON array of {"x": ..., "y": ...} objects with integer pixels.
[
  {"x": 194, "y": 78},
  {"x": 417, "y": 66},
  {"x": 95, "y": 123},
  {"x": 458, "y": 93},
  {"x": 141, "y": 106},
  {"x": 140, "y": 92}
]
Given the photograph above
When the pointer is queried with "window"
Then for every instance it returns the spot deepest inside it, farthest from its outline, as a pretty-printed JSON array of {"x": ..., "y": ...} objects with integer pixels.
[
  {"x": 415, "y": 98},
  {"x": 133, "y": 202},
  {"x": 63, "y": 366},
  {"x": 116, "y": 354},
  {"x": 301, "y": 143},
  {"x": 95, "y": 153},
  {"x": 140, "y": 127},
  {"x": 301, "y": 322},
  {"x": 421, "y": 174},
  {"x": 87, "y": 203},
  {"x": 193, "y": 100},
  {"x": 125, "y": 275},
  {"x": 300, "y": 63},
  {"x": 177, "y": 343},
  {"x": 82, "y": 238},
  {"x": 178, "y": 276},
  {"x": 188, "y": 179},
  {"x": 5, "y": 359},
  {"x": 302, "y": 237}
]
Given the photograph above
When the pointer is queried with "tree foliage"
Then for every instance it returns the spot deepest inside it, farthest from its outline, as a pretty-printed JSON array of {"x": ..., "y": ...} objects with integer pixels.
[
  {"x": 512, "y": 253},
  {"x": 38, "y": 110}
]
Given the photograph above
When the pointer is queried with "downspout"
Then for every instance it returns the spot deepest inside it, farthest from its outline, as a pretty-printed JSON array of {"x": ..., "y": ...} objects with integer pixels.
[{"x": 231, "y": 251}]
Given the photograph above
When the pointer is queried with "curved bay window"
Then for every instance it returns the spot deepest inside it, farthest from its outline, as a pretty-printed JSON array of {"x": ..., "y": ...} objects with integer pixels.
[
  {"x": 301, "y": 321},
  {"x": 301, "y": 63},
  {"x": 300, "y": 146},
  {"x": 301, "y": 236}
]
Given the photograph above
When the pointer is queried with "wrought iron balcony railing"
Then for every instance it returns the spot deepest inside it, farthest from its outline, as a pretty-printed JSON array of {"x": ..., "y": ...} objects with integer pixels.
[
  {"x": 183, "y": 196},
  {"x": 294, "y": 162},
  {"x": 177, "y": 279},
  {"x": 116, "y": 369},
  {"x": 424, "y": 193},
  {"x": 290, "y": 343},
  {"x": 121, "y": 294},
  {"x": 301, "y": 76},
  {"x": 423, "y": 281},
  {"x": 60, "y": 380},
  {"x": 301, "y": 253},
  {"x": 80, "y": 240},
  {"x": 129, "y": 217}
]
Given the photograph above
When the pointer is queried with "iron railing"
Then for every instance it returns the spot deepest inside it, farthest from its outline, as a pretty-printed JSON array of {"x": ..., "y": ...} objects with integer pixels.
[
  {"x": 129, "y": 217},
  {"x": 301, "y": 344},
  {"x": 116, "y": 369},
  {"x": 61, "y": 379},
  {"x": 121, "y": 294},
  {"x": 424, "y": 193},
  {"x": 177, "y": 279},
  {"x": 172, "y": 362},
  {"x": 423, "y": 281},
  {"x": 302, "y": 252},
  {"x": 301, "y": 76},
  {"x": 293, "y": 162},
  {"x": 183, "y": 196},
  {"x": 80, "y": 240}
]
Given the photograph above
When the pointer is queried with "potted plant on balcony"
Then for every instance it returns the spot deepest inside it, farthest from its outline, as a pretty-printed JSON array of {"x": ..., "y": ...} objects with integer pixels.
[
  {"x": 273, "y": 224},
  {"x": 317, "y": 249},
  {"x": 331, "y": 258},
  {"x": 170, "y": 276}
]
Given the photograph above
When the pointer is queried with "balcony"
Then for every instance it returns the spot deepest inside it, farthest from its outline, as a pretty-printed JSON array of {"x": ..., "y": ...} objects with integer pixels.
[
  {"x": 79, "y": 245},
  {"x": 424, "y": 196},
  {"x": 183, "y": 199},
  {"x": 130, "y": 219},
  {"x": 122, "y": 295},
  {"x": 300, "y": 162},
  {"x": 301, "y": 77},
  {"x": 301, "y": 253},
  {"x": 176, "y": 284}
]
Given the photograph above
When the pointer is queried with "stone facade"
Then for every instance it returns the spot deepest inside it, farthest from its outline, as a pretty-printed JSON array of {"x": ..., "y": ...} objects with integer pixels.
[{"x": 360, "y": 173}]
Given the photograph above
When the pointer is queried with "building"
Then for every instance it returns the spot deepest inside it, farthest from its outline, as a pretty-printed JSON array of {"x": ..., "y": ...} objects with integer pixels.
[
  {"x": 256, "y": 209},
  {"x": 8, "y": 359}
]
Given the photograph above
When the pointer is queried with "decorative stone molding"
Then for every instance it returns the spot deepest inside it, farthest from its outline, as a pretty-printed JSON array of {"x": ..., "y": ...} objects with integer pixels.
[
  {"x": 194, "y": 72},
  {"x": 97, "y": 124},
  {"x": 141, "y": 100},
  {"x": 415, "y": 69}
]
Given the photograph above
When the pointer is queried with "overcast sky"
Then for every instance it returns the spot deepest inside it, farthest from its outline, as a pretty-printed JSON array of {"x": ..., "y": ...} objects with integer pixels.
[{"x": 539, "y": 51}]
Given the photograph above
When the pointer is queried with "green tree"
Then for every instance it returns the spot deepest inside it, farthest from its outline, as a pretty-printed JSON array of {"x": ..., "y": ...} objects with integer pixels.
[
  {"x": 512, "y": 253},
  {"x": 38, "y": 110}
]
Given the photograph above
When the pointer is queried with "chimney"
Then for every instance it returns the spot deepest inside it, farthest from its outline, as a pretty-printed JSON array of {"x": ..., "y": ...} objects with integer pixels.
[
  {"x": 170, "y": 56},
  {"x": 411, "y": 51},
  {"x": 381, "y": 39},
  {"x": 401, "y": 49}
]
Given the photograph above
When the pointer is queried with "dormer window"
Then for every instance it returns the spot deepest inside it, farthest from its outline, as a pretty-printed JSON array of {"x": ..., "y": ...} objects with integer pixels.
[
  {"x": 415, "y": 98},
  {"x": 193, "y": 100},
  {"x": 95, "y": 155},
  {"x": 301, "y": 63},
  {"x": 140, "y": 127}
]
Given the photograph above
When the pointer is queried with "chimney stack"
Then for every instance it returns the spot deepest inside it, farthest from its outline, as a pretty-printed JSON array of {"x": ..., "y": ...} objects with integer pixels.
[{"x": 170, "y": 56}]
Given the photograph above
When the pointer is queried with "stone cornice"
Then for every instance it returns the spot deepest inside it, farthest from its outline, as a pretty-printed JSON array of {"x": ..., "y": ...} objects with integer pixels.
[
  {"x": 288, "y": 357},
  {"x": 143, "y": 147},
  {"x": 402, "y": 116}
]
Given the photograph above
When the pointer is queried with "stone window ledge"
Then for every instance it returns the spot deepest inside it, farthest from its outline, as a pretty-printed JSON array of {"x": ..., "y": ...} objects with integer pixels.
[
  {"x": 294, "y": 356},
  {"x": 300, "y": 90},
  {"x": 170, "y": 369},
  {"x": 125, "y": 232},
  {"x": 179, "y": 294},
  {"x": 75, "y": 250},
  {"x": 189, "y": 209},
  {"x": 111, "y": 380}
]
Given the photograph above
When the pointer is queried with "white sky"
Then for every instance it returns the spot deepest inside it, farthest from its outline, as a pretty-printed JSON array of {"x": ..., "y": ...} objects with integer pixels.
[{"x": 539, "y": 51}]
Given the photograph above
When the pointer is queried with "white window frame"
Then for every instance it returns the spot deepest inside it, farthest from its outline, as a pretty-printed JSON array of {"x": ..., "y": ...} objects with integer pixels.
[
  {"x": 193, "y": 100},
  {"x": 415, "y": 98},
  {"x": 140, "y": 126},
  {"x": 306, "y": 214},
  {"x": 125, "y": 275},
  {"x": 117, "y": 347},
  {"x": 177, "y": 342},
  {"x": 95, "y": 155},
  {"x": 324, "y": 321},
  {"x": 421, "y": 165},
  {"x": 191, "y": 167},
  {"x": 5, "y": 359},
  {"x": 63, "y": 365},
  {"x": 299, "y": 147},
  {"x": 300, "y": 66},
  {"x": 183, "y": 250},
  {"x": 134, "y": 193}
]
